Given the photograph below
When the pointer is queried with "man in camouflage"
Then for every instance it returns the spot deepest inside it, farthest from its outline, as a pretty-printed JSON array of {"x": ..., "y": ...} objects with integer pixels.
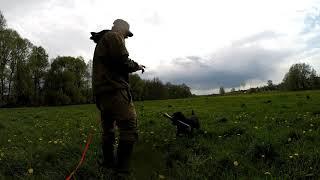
[{"x": 110, "y": 83}]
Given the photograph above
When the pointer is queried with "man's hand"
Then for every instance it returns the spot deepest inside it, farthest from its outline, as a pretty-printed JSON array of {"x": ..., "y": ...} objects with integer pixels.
[{"x": 141, "y": 67}]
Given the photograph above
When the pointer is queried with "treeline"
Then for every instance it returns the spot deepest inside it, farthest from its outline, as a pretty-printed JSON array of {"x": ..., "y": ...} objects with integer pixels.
[
  {"x": 301, "y": 76},
  {"x": 27, "y": 77},
  {"x": 156, "y": 89}
]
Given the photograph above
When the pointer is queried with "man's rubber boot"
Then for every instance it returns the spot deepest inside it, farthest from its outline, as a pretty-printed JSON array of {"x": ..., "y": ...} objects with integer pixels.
[
  {"x": 124, "y": 158},
  {"x": 108, "y": 160}
]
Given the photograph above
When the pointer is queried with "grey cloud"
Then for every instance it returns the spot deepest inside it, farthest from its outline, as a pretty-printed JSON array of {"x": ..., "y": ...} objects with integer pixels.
[
  {"x": 64, "y": 36},
  {"x": 65, "y": 41},
  {"x": 18, "y": 5},
  {"x": 257, "y": 37},
  {"x": 22, "y": 6},
  {"x": 228, "y": 67},
  {"x": 189, "y": 62}
]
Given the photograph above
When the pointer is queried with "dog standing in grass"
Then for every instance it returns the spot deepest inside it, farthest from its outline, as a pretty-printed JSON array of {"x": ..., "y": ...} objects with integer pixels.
[{"x": 184, "y": 125}]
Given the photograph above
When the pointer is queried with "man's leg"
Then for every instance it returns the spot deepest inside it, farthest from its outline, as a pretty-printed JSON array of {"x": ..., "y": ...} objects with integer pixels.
[
  {"x": 128, "y": 136},
  {"x": 121, "y": 109},
  {"x": 108, "y": 140},
  {"x": 128, "y": 133}
]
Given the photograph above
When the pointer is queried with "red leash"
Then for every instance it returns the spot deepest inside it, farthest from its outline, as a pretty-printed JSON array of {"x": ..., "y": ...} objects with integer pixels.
[{"x": 89, "y": 139}]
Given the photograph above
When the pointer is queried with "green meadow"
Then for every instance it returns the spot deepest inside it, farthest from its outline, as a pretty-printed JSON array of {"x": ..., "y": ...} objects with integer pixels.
[{"x": 250, "y": 136}]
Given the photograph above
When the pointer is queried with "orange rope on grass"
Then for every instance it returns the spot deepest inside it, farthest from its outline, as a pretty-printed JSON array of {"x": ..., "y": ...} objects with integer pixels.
[{"x": 89, "y": 139}]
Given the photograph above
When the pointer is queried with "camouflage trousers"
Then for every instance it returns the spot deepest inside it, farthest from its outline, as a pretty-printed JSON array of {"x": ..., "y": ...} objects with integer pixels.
[{"x": 117, "y": 109}]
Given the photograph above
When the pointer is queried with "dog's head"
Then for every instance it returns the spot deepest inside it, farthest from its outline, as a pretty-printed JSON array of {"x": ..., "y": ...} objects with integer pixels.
[
  {"x": 194, "y": 120},
  {"x": 178, "y": 116}
]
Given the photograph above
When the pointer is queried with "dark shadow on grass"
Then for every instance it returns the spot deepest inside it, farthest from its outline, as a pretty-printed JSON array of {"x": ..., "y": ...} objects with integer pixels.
[
  {"x": 234, "y": 131},
  {"x": 264, "y": 152},
  {"x": 2, "y": 126}
]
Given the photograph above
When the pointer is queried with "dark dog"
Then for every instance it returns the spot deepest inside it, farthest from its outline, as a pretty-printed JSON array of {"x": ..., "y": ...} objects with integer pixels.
[{"x": 184, "y": 125}]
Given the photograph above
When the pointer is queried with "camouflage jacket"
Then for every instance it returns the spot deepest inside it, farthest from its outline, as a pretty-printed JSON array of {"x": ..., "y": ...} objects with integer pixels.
[{"x": 111, "y": 65}]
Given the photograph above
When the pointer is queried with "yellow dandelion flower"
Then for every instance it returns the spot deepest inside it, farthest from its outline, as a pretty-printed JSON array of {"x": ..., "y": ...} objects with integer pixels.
[
  {"x": 40, "y": 139},
  {"x": 55, "y": 142},
  {"x": 296, "y": 154},
  {"x": 235, "y": 163},
  {"x": 30, "y": 170},
  {"x": 290, "y": 156}
]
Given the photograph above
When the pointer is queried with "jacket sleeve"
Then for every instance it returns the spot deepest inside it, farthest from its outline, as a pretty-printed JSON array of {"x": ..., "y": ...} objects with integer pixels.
[{"x": 119, "y": 56}]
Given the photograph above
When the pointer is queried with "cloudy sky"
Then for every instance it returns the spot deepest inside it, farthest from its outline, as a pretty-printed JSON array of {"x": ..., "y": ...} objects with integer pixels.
[{"x": 205, "y": 44}]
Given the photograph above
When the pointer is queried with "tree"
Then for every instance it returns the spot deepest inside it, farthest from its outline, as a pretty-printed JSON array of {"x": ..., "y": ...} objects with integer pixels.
[
  {"x": 137, "y": 86},
  {"x": 87, "y": 91},
  {"x": 65, "y": 81},
  {"x": 221, "y": 90},
  {"x": 38, "y": 64},
  {"x": 298, "y": 77},
  {"x": 3, "y": 55},
  {"x": 270, "y": 85},
  {"x": 22, "y": 77},
  {"x": 178, "y": 91},
  {"x": 3, "y": 22},
  {"x": 232, "y": 90},
  {"x": 242, "y": 84},
  {"x": 314, "y": 80},
  {"x": 154, "y": 89}
]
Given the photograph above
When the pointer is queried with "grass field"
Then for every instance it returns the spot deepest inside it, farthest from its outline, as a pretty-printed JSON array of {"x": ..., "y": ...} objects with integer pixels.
[{"x": 265, "y": 136}]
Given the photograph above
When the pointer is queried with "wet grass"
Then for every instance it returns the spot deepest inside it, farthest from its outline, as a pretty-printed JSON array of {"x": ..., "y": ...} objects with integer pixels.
[{"x": 272, "y": 135}]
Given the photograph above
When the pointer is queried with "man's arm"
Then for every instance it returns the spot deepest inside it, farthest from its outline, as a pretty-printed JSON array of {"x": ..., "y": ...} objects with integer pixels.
[
  {"x": 133, "y": 66},
  {"x": 120, "y": 56}
]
